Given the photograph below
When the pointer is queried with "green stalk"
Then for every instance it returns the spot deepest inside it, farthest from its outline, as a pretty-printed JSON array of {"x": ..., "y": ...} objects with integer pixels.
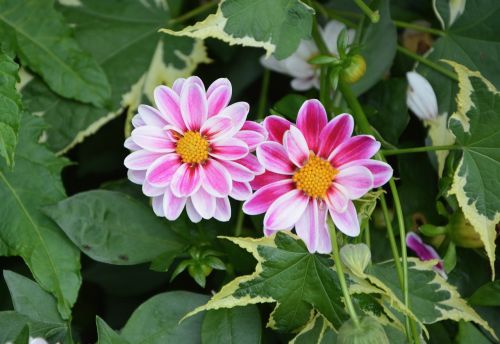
[
  {"x": 387, "y": 152},
  {"x": 193, "y": 13},
  {"x": 392, "y": 240},
  {"x": 239, "y": 222},
  {"x": 263, "y": 94},
  {"x": 429, "y": 63},
  {"x": 374, "y": 16},
  {"x": 367, "y": 236},
  {"x": 340, "y": 274},
  {"x": 417, "y": 27}
]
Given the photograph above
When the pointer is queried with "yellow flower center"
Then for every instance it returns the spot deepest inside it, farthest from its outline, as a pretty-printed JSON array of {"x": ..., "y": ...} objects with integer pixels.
[
  {"x": 315, "y": 177},
  {"x": 193, "y": 148}
]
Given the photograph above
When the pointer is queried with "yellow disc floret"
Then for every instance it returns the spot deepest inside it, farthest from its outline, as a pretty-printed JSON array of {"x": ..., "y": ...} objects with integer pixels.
[
  {"x": 315, "y": 177},
  {"x": 193, "y": 148}
]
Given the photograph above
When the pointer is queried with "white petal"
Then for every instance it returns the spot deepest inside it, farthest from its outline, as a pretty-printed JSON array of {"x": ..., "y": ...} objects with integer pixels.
[{"x": 420, "y": 97}]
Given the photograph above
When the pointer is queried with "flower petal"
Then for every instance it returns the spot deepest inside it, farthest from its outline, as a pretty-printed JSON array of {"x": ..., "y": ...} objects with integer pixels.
[
  {"x": 356, "y": 148},
  {"x": 229, "y": 149},
  {"x": 167, "y": 101},
  {"x": 218, "y": 83},
  {"x": 222, "y": 209},
  {"x": 286, "y": 210},
  {"x": 131, "y": 145},
  {"x": 347, "y": 222},
  {"x": 296, "y": 146},
  {"x": 241, "y": 191},
  {"x": 304, "y": 84},
  {"x": 356, "y": 180},
  {"x": 217, "y": 128},
  {"x": 141, "y": 159},
  {"x": 424, "y": 251},
  {"x": 311, "y": 228},
  {"x": 336, "y": 198},
  {"x": 238, "y": 112},
  {"x": 193, "y": 104},
  {"x": 204, "y": 203},
  {"x": 337, "y": 131},
  {"x": 381, "y": 171},
  {"x": 311, "y": 120},
  {"x": 151, "y": 116},
  {"x": 218, "y": 99},
  {"x": 136, "y": 177},
  {"x": 186, "y": 180},
  {"x": 267, "y": 177},
  {"x": 324, "y": 241},
  {"x": 216, "y": 180},
  {"x": 177, "y": 86},
  {"x": 153, "y": 139},
  {"x": 172, "y": 205},
  {"x": 250, "y": 137},
  {"x": 193, "y": 215},
  {"x": 420, "y": 97},
  {"x": 157, "y": 203},
  {"x": 237, "y": 171},
  {"x": 161, "y": 172},
  {"x": 262, "y": 199},
  {"x": 274, "y": 158},
  {"x": 276, "y": 127},
  {"x": 151, "y": 190},
  {"x": 137, "y": 121},
  {"x": 251, "y": 162}
]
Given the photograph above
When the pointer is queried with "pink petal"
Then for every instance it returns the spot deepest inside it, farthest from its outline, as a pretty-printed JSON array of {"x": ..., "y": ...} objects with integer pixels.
[
  {"x": 172, "y": 205},
  {"x": 296, "y": 146},
  {"x": 140, "y": 160},
  {"x": 267, "y": 178},
  {"x": 229, "y": 149},
  {"x": 311, "y": 120},
  {"x": 217, "y": 128},
  {"x": 336, "y": 198},
  {"x": 237, "y": 112},
  {"x": 136, "y": 177},
  {"x": 424, "y": 251},
  {"x": 381, "y": 171},
  {"x": 193, "y": 215},
  {"x": 194, "y": 80},
  {"x": 186, "y": 180},
  {"x": 254, "y": 126},
  {"x": 218, "y": 83},
  {"x": 337, "y": 131},
  {"x": 223, "y": 209},
  {"x": 137, "y": 121},
  {"x": 347, "y": 222},
  {"x": 193, "y": 106},
  {"x": 276, "y": 127},
  {"x": 153, "y": 139},
  {"x": 251, "y": 162},
  {"x": 311, "y": 228},
  {"x": 161, "y": 172},
  {"x": 262, "y": 199},
  {"x": 324, "y": 242},
  {"x": 237, "y": 171},
  {"x": 274, "y": 158},
  {"x": 241, "y": 191},
  {"x": 218, "y": 99},
  {"x": 151, "y": 116},
  {"x": 286, "y": 210},
  {"x": 204, "y": 203},
  {"x": 131, "y": 145},
  {"x": 356, "y": 180},
  {"x": 356, "y": 148},
  {"x": 157, "y": 203},
  {"x": 251, "y": 138},
  {"x": 177, "y": 86},
  {"x": 216, "y": 180},
  {"x": 167, "y": 101},
  {"x": 151, "y": 190}
]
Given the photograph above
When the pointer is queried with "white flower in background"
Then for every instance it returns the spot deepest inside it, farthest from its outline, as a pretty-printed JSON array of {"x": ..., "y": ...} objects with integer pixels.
[
  {"x": 457, "y": 7},
  {"x": 37, "y": 340},
  {"x": 306, "y": 76},
  {"x": 420, "y": 97}
]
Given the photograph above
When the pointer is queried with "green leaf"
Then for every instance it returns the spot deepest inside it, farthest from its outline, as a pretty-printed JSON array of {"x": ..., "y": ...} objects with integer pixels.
[
  {"x": 114, "y": 228},
  {"x": 24, "y": 336},
  {"x": 374, "y": 36},
  {"x": 487, "y": 295},
  {"x": 318, "y": 331},
  {"x": 468, "y": 333},
  {"x": 235, "y": 325},
  {"x": 106, "y": 335},
  {"x": 476, "y": 183},
  {"x": 282, "y": 24},
  {"x": 31, "y": 300},
  {"x": 289, "y": 106},
  {"x": 119, "y": 34},
  {"x": 43, "y": 42},
  {"x": 12, "y": 324},
  {"x": 289, "y": 275},
  {"x": 10, "y": 108},
  {"x": 34, "y": 183},
  {"x": 157, "y": 321}
]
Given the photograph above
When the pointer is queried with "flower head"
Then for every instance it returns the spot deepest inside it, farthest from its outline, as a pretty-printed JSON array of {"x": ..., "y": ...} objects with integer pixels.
[
  {"x": 193, "y": 151},
  {"x": 420, "y": 97},
  {"x": 313, "y": 169},
  {"x": 425, "y": 252},
  {"x": 306, "y": 76}
]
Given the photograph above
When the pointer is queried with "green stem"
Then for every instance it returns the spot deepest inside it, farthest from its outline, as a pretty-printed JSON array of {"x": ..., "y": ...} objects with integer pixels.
[
  {"x": 239, "y": 222},
  {"x": 367, "y": 236},
  {"x": 340, "y": 273},
  {"x": 417, "y": 27},
  {"x": 330, "y": 13},
  {"x": 392, "y": 240},
  {"x": 193, "y": 13},
  {"x": 428, "y": 63},
  {"x": 318, "y": 39},
  {"x": 263, "y": 94},
  {"x": 387, "y": 152},
  {"x": 374, "y": 16}
]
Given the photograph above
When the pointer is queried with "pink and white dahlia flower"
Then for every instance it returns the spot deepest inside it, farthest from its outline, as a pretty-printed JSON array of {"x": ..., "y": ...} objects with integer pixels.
[
  {"x": 193, "y": 151},
  {"x": 312, "y": 169}
]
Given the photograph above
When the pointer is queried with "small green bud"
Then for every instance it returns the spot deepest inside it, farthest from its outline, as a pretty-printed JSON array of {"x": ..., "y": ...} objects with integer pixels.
[
  {"x": 462, "y": 233},
  {"x": 369, "y": 332},
  {"x": 355, "y": 70}
]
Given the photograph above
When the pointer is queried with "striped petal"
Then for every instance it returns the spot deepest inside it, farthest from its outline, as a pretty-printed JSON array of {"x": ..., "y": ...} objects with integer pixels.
[
  {"x": 296, "y": 146},
  {"x": 222, "y": 210},
  {"x": 347, "y": 221},
  {"x": 356, "y": 180},
  {"x": 204, "y": 203},
  {"x": 241, "y": 191},
  {"x": 193, "y": 104},
  {"x": 337, "y": 131},
  {"x": 262, "y": 199},
  {"x": 311, "y": 120},
  {"x": 186, "y": 180},
  {"x": 216, "y": 180},
  {"x": 172, "y": 205},
  {"x": 168, "y": 102},
  {"x": 274, "y": 158},
  {"x": 356, "y": 148},
  {"x": 218, "y": 99},
  {"x": 276, "y": 127},
  {"x": 153, "y": 139},
  {"x": 141, "y": 159},
  {"x": 286, "y": 210},
  {"x": 161, "y": 172},
  {"x": 229, "y": 149}
]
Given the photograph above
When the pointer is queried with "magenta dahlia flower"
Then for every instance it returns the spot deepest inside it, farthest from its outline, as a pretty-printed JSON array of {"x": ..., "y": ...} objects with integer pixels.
[
  {"x": 194, "y": 150},
  {"x": 425, "y": 252},
  {"x": 312, "y": 169}
]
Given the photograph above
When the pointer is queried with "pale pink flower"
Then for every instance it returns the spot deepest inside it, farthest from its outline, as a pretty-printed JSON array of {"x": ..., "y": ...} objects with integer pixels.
[
  {"x": 425, "y": 252},
  {"x": 312, "y": 169},
  {"x": 193, "y": 151}
]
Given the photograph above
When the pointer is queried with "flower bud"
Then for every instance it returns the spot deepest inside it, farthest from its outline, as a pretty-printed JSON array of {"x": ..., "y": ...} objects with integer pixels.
[
  {"x": 420, "y": 97},
  {"x": 369, "y": 332},
  {"x": 462, "y": 233},
  {"x": 355, "y": 70}
]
